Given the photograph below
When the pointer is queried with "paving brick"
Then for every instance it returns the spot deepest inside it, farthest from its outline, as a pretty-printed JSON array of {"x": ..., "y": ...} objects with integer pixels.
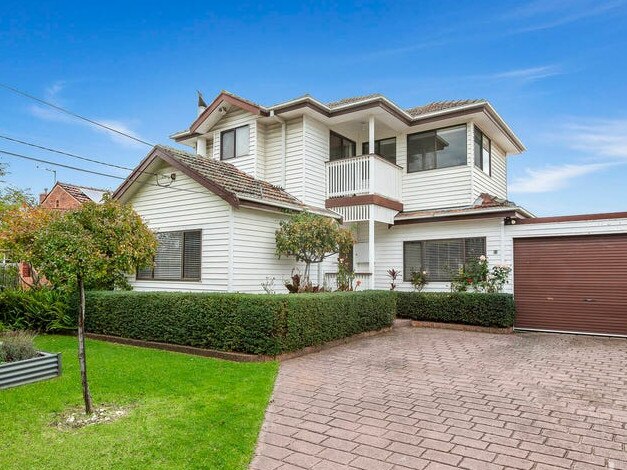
[
  {"x": 437, "y": 399},
  {"x": 366, "y": 463},
  {"x": 442, "y": 457}
]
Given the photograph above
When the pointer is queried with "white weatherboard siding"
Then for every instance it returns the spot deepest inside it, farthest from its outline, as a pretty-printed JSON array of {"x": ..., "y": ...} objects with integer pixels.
[
  {"x": 495, "y": 185},
  {"x": 316, "y": 153},
  {"x": 273, "y": 153},
  {"x": 254, "y": 256},
  {"x": 294, "y": 169},
  {"x": 232, "y": 119},
  {"x": 166, "y": 209},
  {"x": 389, "y": 246},
  {"x": 433, "y": 189}
]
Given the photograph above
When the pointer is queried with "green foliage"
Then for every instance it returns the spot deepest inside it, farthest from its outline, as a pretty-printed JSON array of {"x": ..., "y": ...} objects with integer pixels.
[
  {"x": 481, "y": 309},
  {"x": 9, "y": 276},
  {"x": 311, "y": 238},
  {"x": 477, "y": 276},
  {"x": 17, "y": 346},
  {"x": 345, "y": 275},
  {"x": 43, "y": 310},
  {"x": 98, "y": 242},
  {"x": 186, "y": 412},
  {"x": 419, "y": 279},
  {"x": 258, "y": 324}
]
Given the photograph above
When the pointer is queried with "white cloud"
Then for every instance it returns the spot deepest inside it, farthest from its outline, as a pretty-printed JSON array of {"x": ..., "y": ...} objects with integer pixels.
[
  {"x": 552, "y": 178},
  {"x": 599, "y": 137},
  {"x": 554, "y": 13},
  {"x": 47, "y": 113},
  {"x": 529, "y": 74}
]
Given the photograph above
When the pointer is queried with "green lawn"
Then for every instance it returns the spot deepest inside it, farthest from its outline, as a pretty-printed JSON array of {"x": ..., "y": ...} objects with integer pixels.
[{"x": 188, "y": 412}]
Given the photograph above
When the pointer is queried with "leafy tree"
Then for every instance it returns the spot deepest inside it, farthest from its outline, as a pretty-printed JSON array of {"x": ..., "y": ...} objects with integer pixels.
[
  {"x": 88, "y": 246},
  {"x": 311, "y": 238}
]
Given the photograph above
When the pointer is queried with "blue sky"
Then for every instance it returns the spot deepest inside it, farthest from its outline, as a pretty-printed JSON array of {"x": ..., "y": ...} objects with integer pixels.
[{"x": 555, "y": 70}]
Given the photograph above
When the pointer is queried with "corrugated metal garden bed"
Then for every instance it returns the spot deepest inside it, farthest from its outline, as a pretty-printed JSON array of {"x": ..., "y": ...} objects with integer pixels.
[{"x": 45, "y": 366}]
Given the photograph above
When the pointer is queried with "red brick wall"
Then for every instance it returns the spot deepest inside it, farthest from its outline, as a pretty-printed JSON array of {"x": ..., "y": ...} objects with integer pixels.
[{"x": 65, "y": 200}]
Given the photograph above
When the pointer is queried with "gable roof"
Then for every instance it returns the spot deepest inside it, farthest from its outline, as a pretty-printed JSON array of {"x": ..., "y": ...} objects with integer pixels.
[
  {"x": 222, "y": 178},
  {"x": 82, "y": 194}
]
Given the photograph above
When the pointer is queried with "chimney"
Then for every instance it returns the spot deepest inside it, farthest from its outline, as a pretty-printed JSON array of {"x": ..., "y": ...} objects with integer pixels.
[
  {"x": 43, "y": 195},
  {"x": 201, "y": 103}
]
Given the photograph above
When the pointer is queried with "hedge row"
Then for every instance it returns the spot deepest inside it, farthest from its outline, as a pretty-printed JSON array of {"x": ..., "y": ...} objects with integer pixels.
[
  {"x": 249, "y": 323},
  {"x": 480, "y": 309}
]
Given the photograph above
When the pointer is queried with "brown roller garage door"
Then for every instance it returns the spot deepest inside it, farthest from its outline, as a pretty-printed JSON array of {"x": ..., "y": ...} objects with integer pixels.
[{"x": 574, "y": 284}]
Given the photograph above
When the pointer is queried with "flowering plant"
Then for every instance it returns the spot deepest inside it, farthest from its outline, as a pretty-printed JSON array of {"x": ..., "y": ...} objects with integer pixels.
[{"x": 477, "y": 276}]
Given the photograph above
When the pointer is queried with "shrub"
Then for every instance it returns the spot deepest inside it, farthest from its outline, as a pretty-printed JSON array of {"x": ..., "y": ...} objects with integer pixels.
[
  {"x": 249, "y": 323},
  {"x": 41, "y": 309},
  {"x": 17, "y": 346},
  {"x": 481, "y": 309}
]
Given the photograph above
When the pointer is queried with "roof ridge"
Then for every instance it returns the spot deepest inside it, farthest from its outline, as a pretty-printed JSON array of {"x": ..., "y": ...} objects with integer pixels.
[{"x": 63, "y": 183}]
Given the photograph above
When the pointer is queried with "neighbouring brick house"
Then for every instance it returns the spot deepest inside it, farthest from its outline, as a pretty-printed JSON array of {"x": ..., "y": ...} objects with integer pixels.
[
  {"x": 62, "y": 196},
  {"x": 65, "y": 196}
]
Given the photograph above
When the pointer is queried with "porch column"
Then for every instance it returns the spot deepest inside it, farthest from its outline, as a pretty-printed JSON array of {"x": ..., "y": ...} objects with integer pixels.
[
  {"x": 371, "y": 247},
  {"x": 371, "y": 135}
]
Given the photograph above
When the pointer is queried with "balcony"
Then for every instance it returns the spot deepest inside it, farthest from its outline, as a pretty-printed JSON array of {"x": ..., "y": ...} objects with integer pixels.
[{"x": 364, "y": 175}]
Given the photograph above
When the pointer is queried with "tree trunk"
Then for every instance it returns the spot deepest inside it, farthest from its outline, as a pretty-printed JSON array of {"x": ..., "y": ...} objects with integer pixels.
[
  {"x": 306, "y": 274},
  {"x": 81, "y": 346}
]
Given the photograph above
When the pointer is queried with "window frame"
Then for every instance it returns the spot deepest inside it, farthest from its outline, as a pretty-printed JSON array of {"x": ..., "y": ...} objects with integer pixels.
[
  {"x": 474, "y": 147},
  {"x": 423, "y": 253},
  {"x": 234, "y": 131},
  {"x": 365, "y": 147},
  {"x": 465, "y": 125},
  {"x": 352, "y": 142},
  {"x": 182, "y": 251}
]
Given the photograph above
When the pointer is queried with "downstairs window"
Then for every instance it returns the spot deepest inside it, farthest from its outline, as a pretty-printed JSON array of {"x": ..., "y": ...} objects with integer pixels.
[
  {"x": 441, "y": 259},
  {"x": 178, "y": 257}
]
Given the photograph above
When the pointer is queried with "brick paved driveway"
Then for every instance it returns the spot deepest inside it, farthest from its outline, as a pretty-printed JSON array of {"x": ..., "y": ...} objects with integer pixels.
[{"x": 426, "y": 398}]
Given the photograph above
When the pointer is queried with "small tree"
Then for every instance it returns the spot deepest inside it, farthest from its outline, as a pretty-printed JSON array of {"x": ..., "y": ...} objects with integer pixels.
[
  {"x": 311, "y": 238},
  {"x": 91, "y": 245}
]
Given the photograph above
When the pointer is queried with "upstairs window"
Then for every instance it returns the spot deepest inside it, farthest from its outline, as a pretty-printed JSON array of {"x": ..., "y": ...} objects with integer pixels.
[
  {"x": 441, "y": 259},
  {"x": 385, "y": 148},
  {"x": 178, "y": 257},
  {"x": 441, "y": 148},
  {"x": 235, "y": 143},
  {"x": 341, "y": 147},
  {"x": 483, "y": 151}
]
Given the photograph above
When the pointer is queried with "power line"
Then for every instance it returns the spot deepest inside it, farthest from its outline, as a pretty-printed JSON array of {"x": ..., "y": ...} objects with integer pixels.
[
  {"x": 70, "y": 167},
  {"x": 73, "y": 114},
  {"x": 73, "y": 155},
  {"x": 61, "y": 152}
]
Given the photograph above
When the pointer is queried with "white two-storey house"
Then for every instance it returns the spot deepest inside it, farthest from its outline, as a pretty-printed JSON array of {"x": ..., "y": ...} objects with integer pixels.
[{"x": 423, "y": 188}]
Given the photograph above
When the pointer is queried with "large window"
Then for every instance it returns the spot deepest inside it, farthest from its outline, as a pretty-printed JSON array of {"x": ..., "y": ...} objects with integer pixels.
[
  {"x": 341, "y": 147},
  {"x": 441, "y": 259},
  {"x": 441, "y": 148},
  {"x": 235, "y": 143},
  {"x": 386, "y": 148},
  {"x": 483, "y": 151},
  {"x": 178, "y": 257}
]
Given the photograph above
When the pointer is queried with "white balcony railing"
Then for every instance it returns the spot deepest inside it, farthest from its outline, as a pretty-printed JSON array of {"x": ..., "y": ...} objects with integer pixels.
[{"x": 365, "y": 174}]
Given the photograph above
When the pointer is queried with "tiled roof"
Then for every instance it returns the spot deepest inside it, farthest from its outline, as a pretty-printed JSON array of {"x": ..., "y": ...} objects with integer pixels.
[
  {"x": 352, "y": 99},
  {"x": 83, "y": 193},
  {"x": 484, "y": 203},
  {"x": 230, "y": 178},
  {"x": 439, "y": 106}
]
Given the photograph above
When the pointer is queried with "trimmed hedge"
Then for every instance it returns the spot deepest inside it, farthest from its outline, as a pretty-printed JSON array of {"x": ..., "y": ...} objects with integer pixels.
[
  {"x": 496, "y": 310},
  {"x": 249, "y": 323}
]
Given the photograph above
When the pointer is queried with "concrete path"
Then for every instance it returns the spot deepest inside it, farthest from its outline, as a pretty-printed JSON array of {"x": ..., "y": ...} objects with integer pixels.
[{"x": 436, "y": 399}]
